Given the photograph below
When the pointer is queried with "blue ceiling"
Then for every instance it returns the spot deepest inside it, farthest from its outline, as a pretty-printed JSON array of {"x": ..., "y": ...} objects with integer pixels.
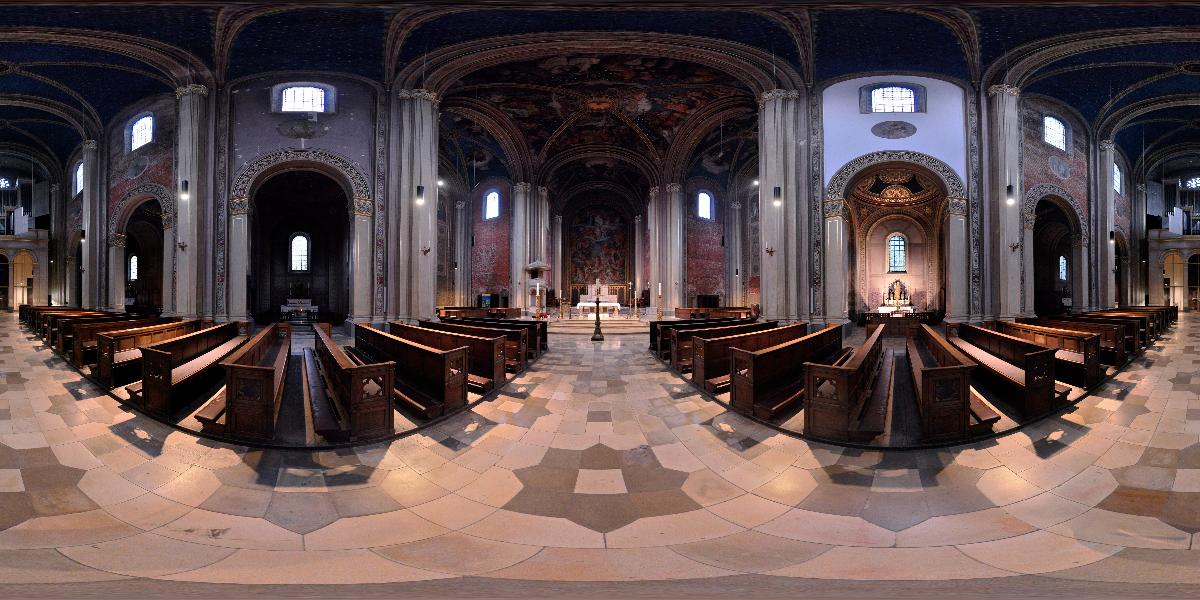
[
  {"x": 349, "y": 40},
  {"x": 177, "y": 24},
  {"x": 898, "y": 42}
]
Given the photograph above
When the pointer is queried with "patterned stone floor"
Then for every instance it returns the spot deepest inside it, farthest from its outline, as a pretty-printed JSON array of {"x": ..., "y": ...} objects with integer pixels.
[{"x": 597, "y": 466}]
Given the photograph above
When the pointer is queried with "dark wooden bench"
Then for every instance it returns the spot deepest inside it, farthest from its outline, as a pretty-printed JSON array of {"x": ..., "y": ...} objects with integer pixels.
[
  {"x": 1131, "y": 332},
  {"x": 736, "y": 312},
  {"x": 1015, "y": 362},
  {"x": 119, "y": 353},
  {"x": 681, "y": 339},
  {"x": 665, "y": 337},
  {"x": 848, "y": 400},
  {"x": 656, "y": 325},
  {"x": 710, "y": 356},
  {"x": 516, "y": 342},
  {"x": 1162, "y": 313},
  {"x": 1147, "y": 322},
  {"x": 948, "y": 407},
  {"x": 349, "y": 399},
  {"x": 87, "y": 336},
  {"x": 485, "y": 355},
  {"x": 30, "y": 314},
  {"x": 247, "y": 407},
  {"x": 175, "y": 370},
  {"x": 1078, "y": 355},
  {"x": 429, "y": 381},
  {"x": 767, "y": 382},
  {"x": 1112, "y": 341},
  {"x": 64, "y": 337},
  {"x": 47, "y": 324},
  {"x": 539, "y": 339}
]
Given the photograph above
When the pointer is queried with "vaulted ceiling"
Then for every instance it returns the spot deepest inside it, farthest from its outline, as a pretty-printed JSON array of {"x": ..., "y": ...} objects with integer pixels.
[{"x": 66, "y": 70}]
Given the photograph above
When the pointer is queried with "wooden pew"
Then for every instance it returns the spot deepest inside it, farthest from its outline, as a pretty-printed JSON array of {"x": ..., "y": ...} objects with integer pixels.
[
  {"x": 736, "y": 312},
  {"x": 87, "y": 336},
  {"x": 1016, "y": 362},
  {"x": 64, "y": 337},
  {"x": 1078, "y": 355},
  {"x": 1130, "y": 330},
  {"x": 29, "y": 314},
  {"x": 656, "y": 325},
  {"x": 663, "y": 350},
  {"x": 485, "y": 355},
  {"x": 47, "y": 324},
  {"x": 681, "y": 339},
  {"x": 539, "y": 339},
  {"x": 516, "y": 342},
  {"x": 710, "y": 356},
  {"x": 769, "y": 381},
  {"x": 119, "y": 353},
  {"x": 1162, "y": 316},
  {"x": 948, "y": 407},
  {"x": 429, "y": 381},
  {"x": 1112, "y": 340},
  {"x": 247, "y": 407},
  {"x": 349, "y": 400},
  {"x": 845, "y": 402},
  {"x": 174, "y": 370},
  {"x": 1149, "y": 321}
]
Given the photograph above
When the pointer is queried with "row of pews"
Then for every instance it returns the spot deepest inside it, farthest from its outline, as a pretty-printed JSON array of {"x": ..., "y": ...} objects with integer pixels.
[
  {"x": 233, "y": 381},
  {"x": 770, "y": 370}
]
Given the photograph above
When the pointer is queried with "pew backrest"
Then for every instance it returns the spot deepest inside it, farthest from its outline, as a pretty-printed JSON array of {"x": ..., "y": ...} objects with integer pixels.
[
  {"x": 364, "y": 392},
  {"x": 441, "y": 375},
  {"x": 254, "y": 376}
]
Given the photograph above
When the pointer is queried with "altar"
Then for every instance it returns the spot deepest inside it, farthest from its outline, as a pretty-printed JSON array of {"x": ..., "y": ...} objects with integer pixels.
[
  {"x": 299, "y": 309},
  {"x": 896, "y": 301},
  {"x": 609, "y": 301}
]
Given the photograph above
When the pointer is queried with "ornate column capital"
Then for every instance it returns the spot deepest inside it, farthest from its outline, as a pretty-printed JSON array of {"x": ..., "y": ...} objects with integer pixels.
[
  {"x": 637, "y": 219},
  {"x": 461, "y": 205},
  {"x": 777, "y": 94},
  {"x": 419, "y": 94},
  {"x": 1107, "y": 145},
  {"x": 190, "y": 89},
  {"x": 836, "y": 208},
  {"x": 674, "y": 188},
  {"x": 1028, "y": 219},
  {"x": 736, "y": 205},
  {"x": 1004, "y": 88},
  {"x": 89, "y": 144},
  {"x": 1141, "y": 188},
  {"x": 239, "y": 205},
  {"x": 361, "y": 207},
  {"x": 543, "y": 190},
  {"x": 54, "y": 187},
  {"x": 522, "y": 187},
  {"x": 652, "y": 193},
  {"x": 117, "y": 240},
  {"x": 168, "y": 218},
  {"x": 956, "y": 206}
]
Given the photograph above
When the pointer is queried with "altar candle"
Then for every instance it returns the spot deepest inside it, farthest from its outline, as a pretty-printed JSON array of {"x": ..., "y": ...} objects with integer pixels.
[{"x": 660, "y": 288}]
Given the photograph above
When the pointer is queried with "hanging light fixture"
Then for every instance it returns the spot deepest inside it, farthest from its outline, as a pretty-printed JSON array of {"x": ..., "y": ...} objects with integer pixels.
[
  {"x": 1012, "y": 197},
  {"x": 420, "y": 195},
  {"x": 778, "y": 195},
  {"x": 183, "y": 190}
]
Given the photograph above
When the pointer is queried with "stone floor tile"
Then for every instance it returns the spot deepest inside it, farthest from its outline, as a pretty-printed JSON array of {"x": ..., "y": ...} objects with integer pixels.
[{"x": 896, "y": 564}]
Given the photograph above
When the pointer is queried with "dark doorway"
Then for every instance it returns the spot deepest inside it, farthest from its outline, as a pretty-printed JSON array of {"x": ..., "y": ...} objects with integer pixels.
[
  {"x": 4, "y": 285},
  {"x": 299, "y": 246},
  {"x": 1054, "y": 260},
  {"x": 143, "y": 259},
  {"x": 76, "y": 276}
]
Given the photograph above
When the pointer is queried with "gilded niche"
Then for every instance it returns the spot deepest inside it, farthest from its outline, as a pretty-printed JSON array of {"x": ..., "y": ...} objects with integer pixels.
[{"x": 895, "y": 187}]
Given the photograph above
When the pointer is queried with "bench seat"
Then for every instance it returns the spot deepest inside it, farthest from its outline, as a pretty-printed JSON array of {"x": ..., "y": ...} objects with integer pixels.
[{"x": 1002, "y": 367}]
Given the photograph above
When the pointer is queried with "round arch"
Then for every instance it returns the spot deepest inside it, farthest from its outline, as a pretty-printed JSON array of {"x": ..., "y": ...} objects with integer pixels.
[
  {"x": 341, "y": 169},
  {"x": 137, "y": 197},
  {"x": 1060, "y": 197},
  {"x": 839, "y": 184},
  {"x": 931, "y": 250}
]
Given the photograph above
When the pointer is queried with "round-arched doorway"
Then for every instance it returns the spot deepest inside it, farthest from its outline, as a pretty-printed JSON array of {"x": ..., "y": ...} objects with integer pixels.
[
  {"x": 300, "y": 236},
  {"x": 143, "y": 261},
  {"x": 1056, "y": 259}
]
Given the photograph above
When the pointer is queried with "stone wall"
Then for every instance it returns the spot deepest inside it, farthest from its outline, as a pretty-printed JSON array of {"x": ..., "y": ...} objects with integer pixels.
[
  {"x": 1042, "y": 163},
  {"x": 704, "y": 244},
  {"x": 490, "y": 252},
  {"x": 152, "y": 163}
]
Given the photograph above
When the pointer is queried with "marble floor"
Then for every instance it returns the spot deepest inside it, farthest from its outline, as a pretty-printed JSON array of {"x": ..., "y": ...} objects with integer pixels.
[{"x": 599, "y": 472}]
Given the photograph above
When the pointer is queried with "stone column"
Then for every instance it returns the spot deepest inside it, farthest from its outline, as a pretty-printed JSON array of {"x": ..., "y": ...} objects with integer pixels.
[
  {"x": 1007, "y": 234},
  {"x": 91, "y": 228},
  {"x": 1105, "y": 224},
  {"x": 462, "y": 254},
  {"x": 558, "y": 268},
  {"x": 1140, "y": 268},
  {"x": 361, "y": 265},
  {"x": 733, "y": 255},
  {"x": 1079, "y": 272},
  {"x": 837, "y": 261},
  {"x": 676, "y": 290},
  {"x": 655, "y": 276},
  {"x": 1154, "y": 279},
  {"x": 784, "y": 231},
  {"x": 238, "y": 251},
  {"x": 519, "y": 248},
  {"x": 639, "y": 257},
  {"x": 957, "y": 255},
  {"x": 414, "y": 286},
  {"x": 189, "y": 162},
  {"x": 116, "y": 271}
]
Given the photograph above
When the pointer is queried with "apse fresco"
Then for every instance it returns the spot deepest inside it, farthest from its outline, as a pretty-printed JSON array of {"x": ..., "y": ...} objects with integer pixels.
[{"x": 598, "y": 244}]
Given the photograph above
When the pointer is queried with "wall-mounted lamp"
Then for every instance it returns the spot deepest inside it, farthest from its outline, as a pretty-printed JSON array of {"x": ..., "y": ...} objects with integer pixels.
[
  {"x": 420, "y": 195},
  {"x": 1012, "y": 197},
  {"x": 82, "y": 235},
  {"x": 183, "y": 190},
  {"x": 755, "y": 183},
  {"x": 441, "y": 183},
  {"x": 1112, "y": 237},
  {"x": 778, "y": 195}
]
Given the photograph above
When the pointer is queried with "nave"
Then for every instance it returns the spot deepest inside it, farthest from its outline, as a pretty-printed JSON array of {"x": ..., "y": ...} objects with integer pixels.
[{"x": 597, "y": 464}]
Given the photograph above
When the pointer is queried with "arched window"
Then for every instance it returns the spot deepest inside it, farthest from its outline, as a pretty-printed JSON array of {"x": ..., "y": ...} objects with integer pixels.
[
  {"x": 142, "y": 132},
  {"x": 704, "y": 205},
  {"x": 5, "y": 183},
  {"x": 1054, "y": 132},
  {"x": 298, "y": 252},
  {"x": 1192, "y": 183},
  {"x": 303, "y": 98},
  {"x": 491, "y": 205},
  {"x": 897, "y": 248},
  {"x": 1116, "y": 178},
  {"x": 1062, "y": 268},
  {"x": 133, "y": 268},
  {"x": 893, "y": 99},
  {"x": 79, "y": 177}
]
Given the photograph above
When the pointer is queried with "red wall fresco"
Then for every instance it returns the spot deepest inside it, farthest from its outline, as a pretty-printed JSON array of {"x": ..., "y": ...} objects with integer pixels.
[
  {"x": 490, "y": 253},
  {"x": 152, "y": 163},
  {"x": 705, "y": 256},
  {"x": 1043, "y": 163}
]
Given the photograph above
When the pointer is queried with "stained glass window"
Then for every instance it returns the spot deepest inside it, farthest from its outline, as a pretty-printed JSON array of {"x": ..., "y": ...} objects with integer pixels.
[
  {"x": 1062, "y": 268},
  {"x": 299, "y": 252},
  {"x": 5, "y": 183},
  {"x": 142, "y": 132},
  {"x": 897, "y": 254},
  {"x": 1054, "y": 132},
  {"x": 893, "y": 99},
  {"x": 1192, "y": 183},
  {"x": 133, "y": 268}
]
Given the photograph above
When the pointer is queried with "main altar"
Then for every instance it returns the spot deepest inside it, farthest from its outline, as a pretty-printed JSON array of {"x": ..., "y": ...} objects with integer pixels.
[{"x": 608, "y": 296}]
